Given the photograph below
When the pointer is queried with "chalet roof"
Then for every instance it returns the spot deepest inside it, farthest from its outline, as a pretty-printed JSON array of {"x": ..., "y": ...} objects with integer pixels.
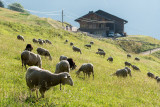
[{"x": 105, "y": 15}]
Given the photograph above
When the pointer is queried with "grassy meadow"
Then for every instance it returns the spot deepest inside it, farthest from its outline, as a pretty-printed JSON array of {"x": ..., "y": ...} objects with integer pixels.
[{"x": 104, "y": 90}]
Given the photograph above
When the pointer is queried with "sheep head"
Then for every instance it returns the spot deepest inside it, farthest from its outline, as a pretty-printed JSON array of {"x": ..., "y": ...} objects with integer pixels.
[{"x": 66, "y": 79}]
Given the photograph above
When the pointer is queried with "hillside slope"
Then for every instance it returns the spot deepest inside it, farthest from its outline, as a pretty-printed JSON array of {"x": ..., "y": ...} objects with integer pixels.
[{"x": 104, "y": 90}]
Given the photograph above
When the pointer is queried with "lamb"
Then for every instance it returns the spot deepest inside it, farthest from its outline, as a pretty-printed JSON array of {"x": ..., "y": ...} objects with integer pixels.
[
  {"x": 151, "y": 75},
  {"x": 101, "y": 53},
  {"x": 128, "y": 56},
  {"x": 44, "y": 52},
  {"x": 47, "y": 41},
  {"x": 137, "y": 59},
  {"x": 76, "y": 49},
  {"x": 123, "y": 72},
  {"x": 30, "y": 59},
  {"x": 71, "y": 44},
  {"x": 62, "y": 66},
  {"x": 35, "y": 40},
  {"x": 37, "y": 78},
  {"x": 135, "y": 68},
  {"x": 91, "y": 42},
  {"x": 29, "y": 47},
  {"x": 87, "y": 69},
  {"x": 62, "y": 57},
  {"x": 100, "y": 50},
  {"x": 127, "y": 64},
  {"x": 110, "y": 59},
  {"x": 20, "y": 37},
  {"x": 88, "y": 46}
]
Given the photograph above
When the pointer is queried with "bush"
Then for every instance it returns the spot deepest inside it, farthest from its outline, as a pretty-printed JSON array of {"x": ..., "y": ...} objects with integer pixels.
[{"x": 17, "y": 7}]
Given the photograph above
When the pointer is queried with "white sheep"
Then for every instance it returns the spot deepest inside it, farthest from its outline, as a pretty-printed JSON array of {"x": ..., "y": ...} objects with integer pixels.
[
  {"x": 44, "y": 52},
  {"x": 43, "y": 80},
  {"x": 123, "y": 72},
  {"x": 76, "y": 49},
  {"x": 30, "y": 59},
  {"x": 62, "y": 57},
  {"x": 20, "y": 37},
  {"x": 62, "y": 66},
  {"x": 87, "y": 69}
]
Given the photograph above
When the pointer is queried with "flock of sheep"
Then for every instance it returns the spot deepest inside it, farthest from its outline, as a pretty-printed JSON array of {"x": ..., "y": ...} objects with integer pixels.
[{"x": 38, "y": 78}]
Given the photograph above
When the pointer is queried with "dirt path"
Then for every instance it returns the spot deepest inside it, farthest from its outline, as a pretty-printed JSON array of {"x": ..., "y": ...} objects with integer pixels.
[{"x": 150, "y": 51}]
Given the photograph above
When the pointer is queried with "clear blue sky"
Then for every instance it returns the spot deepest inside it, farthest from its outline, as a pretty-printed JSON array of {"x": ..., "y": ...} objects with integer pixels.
[{"x": 143, "y": 16}]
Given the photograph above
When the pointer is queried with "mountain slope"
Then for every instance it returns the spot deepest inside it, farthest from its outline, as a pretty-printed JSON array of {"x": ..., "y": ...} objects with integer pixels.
[{"x": 104, "y": 90}]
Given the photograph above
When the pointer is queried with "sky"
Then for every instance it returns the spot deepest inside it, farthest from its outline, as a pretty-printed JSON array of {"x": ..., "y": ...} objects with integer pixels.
[{"x": 143, "y": 16}]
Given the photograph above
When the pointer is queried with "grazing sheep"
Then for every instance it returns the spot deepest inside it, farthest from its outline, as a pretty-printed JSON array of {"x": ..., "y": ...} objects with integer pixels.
[
  {"x": 62, "y": 57},
  {"x": 87, "y": 69},
  {"x": 40, "y": 41},
  {"x": 101, "y": 53},
  {"x": 66, "y": 41},
  {"x": 30, "y": 59},
  {"x": 47, "y": 41},
  {"x": 150, "y": 75},
  {"x": 100, "y": 50},
  {"x": 110, "y": 59},
  {"x": 71, "y": 44},
  {"x": 91, "y": 42},
  {"x": 71, "y": 63},
  {"x": 158, "y": 79},
  {"x": 43, "y": 80},
  {"x": 35, "y": 40},
  {"x": 29, "y": 47},
  {"x": 62, "y": 66},
  {"x": 127, "y": 64},
  {"x": 20, "y": 37},
  {"x": 135, "y": 68},
  {"x": 137, "y": 59},
  {"x": 88, "y": 46},
  {"x": 76, "y": 49},
  {"x": 123, "y": 72},
  {"x": 128, "y": 56},
  {"x": 44, "y": 52}
]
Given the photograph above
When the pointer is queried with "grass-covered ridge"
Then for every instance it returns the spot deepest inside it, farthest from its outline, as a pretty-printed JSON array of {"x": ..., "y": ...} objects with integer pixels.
[{"x": 104, "y": 90}]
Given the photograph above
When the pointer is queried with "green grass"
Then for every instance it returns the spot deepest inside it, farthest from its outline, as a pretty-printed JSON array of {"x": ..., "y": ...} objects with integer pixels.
[{"x": 104, "y": 90}]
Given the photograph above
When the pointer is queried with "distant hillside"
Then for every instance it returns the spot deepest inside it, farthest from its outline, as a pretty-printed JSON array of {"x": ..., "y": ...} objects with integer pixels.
[{"x": 104, "y": 90}]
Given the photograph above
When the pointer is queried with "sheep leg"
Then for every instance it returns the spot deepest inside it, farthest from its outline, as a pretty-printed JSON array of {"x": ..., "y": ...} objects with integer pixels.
[
  {"x": 37, "y": 92},
  {"x": 42, "y": 91}
]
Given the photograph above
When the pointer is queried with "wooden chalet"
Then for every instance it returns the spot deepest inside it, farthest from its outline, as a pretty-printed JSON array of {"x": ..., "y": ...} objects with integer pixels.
[{"x": 101, "y": 23}]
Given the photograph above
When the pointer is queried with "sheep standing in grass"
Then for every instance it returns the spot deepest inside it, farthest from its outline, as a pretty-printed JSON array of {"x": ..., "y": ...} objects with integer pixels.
[
  {"x": 110, "y": 59},
  {"x": 35, "y": 40},
  {"x": 43, "y": 80},
  {"x": 137, "y": 59},
  {"x": 44, "y": 52},
  {"x": 40, "y": 41},
  {"x": 71, "y": 44},
  {"x": 151, "y": 75},
  {"x": 127, "y": 64},
  {"x": 47, "y": 41},
  {"x": 76, "y": 49},
  {"x": 87, "y": 69},
  {"x": 19, "y": 37},
  {"x": 30, "y": 59},
  {"x": 123, "y": 72},
  {"x": 135, "y": 68},
  {"x": 128, "y": 56},
  {"x": 91, "y": 42},
  {"x": 88, "y": 46},
  {"x": 29, "y": 47},
  {"x": 62, "y": 66},
  {"x": 101, "y": 53},
  {"x": 99, "y": 50}
]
